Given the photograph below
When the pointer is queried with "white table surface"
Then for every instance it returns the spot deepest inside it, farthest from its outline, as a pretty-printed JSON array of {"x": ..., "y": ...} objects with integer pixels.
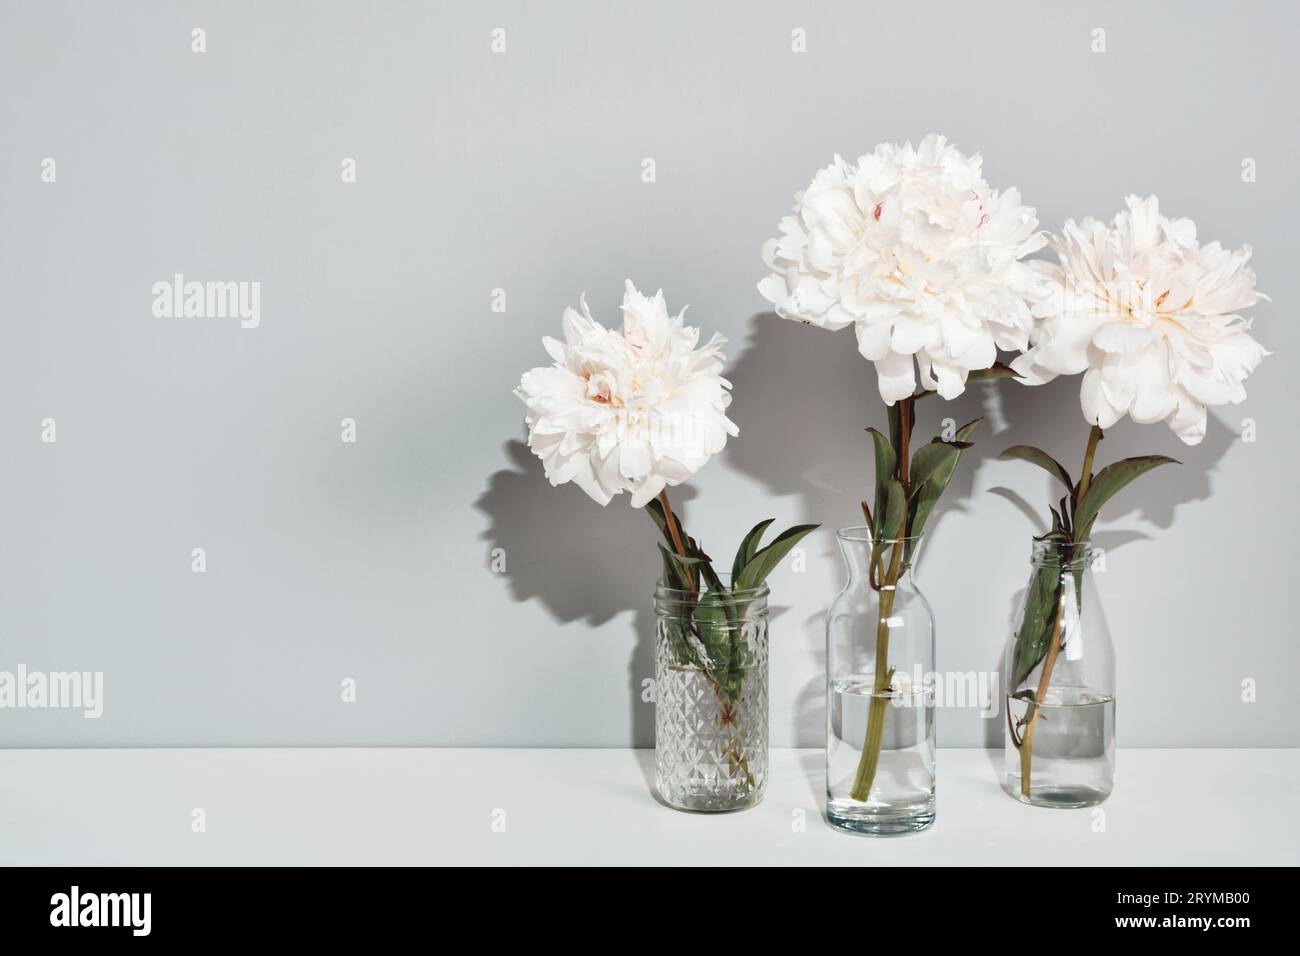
[{"x": 417, "y": 806}]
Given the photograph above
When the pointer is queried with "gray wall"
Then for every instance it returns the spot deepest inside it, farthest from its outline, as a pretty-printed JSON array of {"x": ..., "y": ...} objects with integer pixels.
[{"x": 522, "y": 171}]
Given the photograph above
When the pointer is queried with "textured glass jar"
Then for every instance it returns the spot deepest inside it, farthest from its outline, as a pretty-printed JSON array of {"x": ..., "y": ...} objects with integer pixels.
[
  {"x": 1060, "y": 675},
  {"x": 711, "y": 698},
  {"x": 880, "y": 761}
]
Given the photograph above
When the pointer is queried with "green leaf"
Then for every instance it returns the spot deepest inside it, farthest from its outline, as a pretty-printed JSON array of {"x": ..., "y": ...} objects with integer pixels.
[
  {"x": 693, "y": 547},
  {"x": 889, "y": 524},
  {"x": 680, "y": 645},
  {"x": 886, "y": 463},
  {"x": 705, "y": 567},
  {"x": 681, "y": 567},
  {"x": 748, "y": 547},
  {"x": 1036, "y": 456},
  {"x": 712, "y": 626},
  {"x": 672, "y": 573},
  {"x": 933, "y": 488},
  {"x": 765, "y": 561},
  {"x": 655, "y": 509},
  {"x": 1036, "y": 625},
  {"x": 1108, "y": 481},
  {"x": 997, "y": 370},
  {"x": 930, "y": 458}
]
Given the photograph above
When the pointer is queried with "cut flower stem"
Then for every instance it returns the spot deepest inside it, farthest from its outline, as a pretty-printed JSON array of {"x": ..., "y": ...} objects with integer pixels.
[
  {"x": 877, "y": 710},
  {"x": 1054, "y": 644}
]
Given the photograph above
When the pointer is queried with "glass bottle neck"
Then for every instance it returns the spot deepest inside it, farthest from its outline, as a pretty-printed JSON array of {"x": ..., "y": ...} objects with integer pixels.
[
  {"x": 1065, "y": 555},
  {"x": 893, "y": 562}
]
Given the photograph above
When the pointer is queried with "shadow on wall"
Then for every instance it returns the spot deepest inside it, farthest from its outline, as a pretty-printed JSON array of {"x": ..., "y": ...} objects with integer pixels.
[
  {"x": 804, "y": 397},
  {"x": 809, "y": 394},
  {"x": 581, "y": 562}
]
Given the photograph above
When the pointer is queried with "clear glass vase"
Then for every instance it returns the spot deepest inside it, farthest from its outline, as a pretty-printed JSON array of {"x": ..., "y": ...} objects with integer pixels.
[
  {"x": 711, "y": 698},
  {"x": 880, "y": 760},
  {"x": 1060, "y": 676}
]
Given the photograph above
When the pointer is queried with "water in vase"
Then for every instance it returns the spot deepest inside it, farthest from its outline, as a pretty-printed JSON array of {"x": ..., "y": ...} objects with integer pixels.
[
  {"x": 901, "y": 795},
  {"x": 1072, "y": 763}
]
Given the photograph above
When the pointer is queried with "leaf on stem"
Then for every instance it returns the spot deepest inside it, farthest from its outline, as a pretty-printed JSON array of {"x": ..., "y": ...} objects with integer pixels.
[
  {"x": 1036, "y": 625},
  {"x": 995, "y": 371},
  {"x": 1106, "y": 483},
  {"x": 656, "y": 509},
  {"x": 712, "y": 626},
  {"x": 932, "y": 457},
  {"x": 932, "y": 489},
  {"x": 886, "y": 464},
  {"x": 889, "y": 524},
  {"x": 682, "y": 576},
  {"x": 748, "y": 548},
  {"x": 1036, "y": 456},
  {"x": 764, "y": 562},
  {"x": 711, "y": 577}
]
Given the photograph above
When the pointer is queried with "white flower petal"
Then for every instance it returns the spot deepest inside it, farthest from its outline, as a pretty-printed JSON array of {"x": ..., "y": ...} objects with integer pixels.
[
  {"x": 913, "y": 246},
  {"x": 897, "y": 379},
  {"x": 1150, "y": 317},
  {"x": 873, "y": 340},
  {"x": 1097, "y": 409},
  {"x": 633, "y": 410}
]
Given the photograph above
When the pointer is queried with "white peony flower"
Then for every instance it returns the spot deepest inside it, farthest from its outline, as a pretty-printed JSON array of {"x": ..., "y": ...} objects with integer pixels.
[
  {"x": 635, "y": 410},
  {"x": 1150, "y": 319},
  {"x": 914, "y": 249}
]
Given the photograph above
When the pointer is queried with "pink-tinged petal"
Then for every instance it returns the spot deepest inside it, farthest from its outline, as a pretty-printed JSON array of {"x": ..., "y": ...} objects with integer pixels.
[{"x": 898, "y": 239}]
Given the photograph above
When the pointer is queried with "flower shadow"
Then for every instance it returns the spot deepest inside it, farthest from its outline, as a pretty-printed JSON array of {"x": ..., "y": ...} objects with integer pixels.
[
  {"x": 1048, "y": 416},
  {"x": 577, "y": 564},
  {"x": 811, "y": 395}
]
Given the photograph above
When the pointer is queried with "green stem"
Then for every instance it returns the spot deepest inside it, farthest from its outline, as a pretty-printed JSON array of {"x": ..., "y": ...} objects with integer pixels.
[
  {"x": 1085, "y": 477},
  {"x": 1054, "y": 644},
  {"x": 729, "y": 718},
  {"x": 1035, "y": 707},
  {"x": 877, "y": 713}
]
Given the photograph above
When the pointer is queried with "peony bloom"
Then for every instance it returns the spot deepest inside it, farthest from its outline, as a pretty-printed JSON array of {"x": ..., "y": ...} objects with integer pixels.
[
  {"x": 914, "y": 249},
  {"x": 1149, "y": 317},
  {"x": 633, "y": 410}
]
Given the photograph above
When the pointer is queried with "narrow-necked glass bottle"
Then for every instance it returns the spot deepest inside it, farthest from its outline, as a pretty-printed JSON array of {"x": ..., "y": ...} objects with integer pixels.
[
  {"x": 880, "y": 754},
  {"x": 1060, "y": 676}
]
